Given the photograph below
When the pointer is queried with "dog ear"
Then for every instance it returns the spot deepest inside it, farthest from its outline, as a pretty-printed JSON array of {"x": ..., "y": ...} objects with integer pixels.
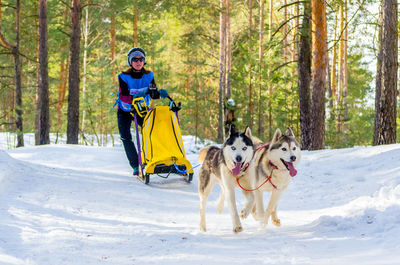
[
  {"x": 247, "y": 132},
  {"x": 277, "y": 135},
  {"x": 289, "y": 132}
]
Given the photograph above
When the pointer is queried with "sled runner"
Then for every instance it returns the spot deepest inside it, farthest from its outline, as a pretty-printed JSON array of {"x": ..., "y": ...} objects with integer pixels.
[{"x": 161, "y": 150}]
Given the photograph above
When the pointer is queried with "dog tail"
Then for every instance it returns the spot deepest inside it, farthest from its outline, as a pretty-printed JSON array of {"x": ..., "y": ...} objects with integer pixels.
[{"x": 203, "y": 153}]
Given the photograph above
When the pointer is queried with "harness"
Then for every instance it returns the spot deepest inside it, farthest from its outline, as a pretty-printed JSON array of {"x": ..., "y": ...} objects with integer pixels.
[{"x": 268, "y": 178}]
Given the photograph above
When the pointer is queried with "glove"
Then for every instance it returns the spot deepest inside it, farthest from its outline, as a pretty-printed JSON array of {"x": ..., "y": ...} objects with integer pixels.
[
  {"x": 153, "y": 92},
  {"x": 163, "y": 93}
]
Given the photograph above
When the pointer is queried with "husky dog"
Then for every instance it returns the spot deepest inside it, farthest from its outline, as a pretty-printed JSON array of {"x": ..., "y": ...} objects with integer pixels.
[
  {"x": 223, "y": 166},
  {"x": 274, "y": 164}
]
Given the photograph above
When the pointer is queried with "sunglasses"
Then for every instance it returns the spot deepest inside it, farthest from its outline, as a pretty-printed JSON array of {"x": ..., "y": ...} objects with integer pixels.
[{"x": 138, "y": 59}]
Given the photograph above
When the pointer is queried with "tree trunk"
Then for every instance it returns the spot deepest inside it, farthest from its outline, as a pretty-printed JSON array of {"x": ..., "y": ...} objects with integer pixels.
[
  {"x": 332, "y": 100},
  {"x": 11, "y": 98},
  {"x": 73, "y": 88},
  {"x": 37, "y": 98},
  {"x": 63, "y": 77},
  {"x": 113, "y": 41},
  {"x": 61, "y": 91},
  {"x": 294, "y": 51},
  {"x": 318, "y": 74},
  {"x": 378, "y": 81},
  {"x": 17, "y": 73},
  {"x": 102, "y": 124},
  {"x": 261, "y": 66},
  {"x": 385, "y": 108},
  {"x": 228, "y": 50},
  {"x": 269, "y": 85},
  {"x": 285, "y": 33},
  {"x": 10, "y": 116},
  {"x": 304, "y": 82},
  {"x": 250, "y": 89},
  {"x": 345, "y": 74},
  {"x": 135, "y": 24},
  {"x": 43, "y": 119},
  {"x": 85, "y": 37},
  {"x": 196, "y": 96},
  {"x": 222, "y": 70},
  {"x": 18, "y": 88},
  {"x": 341, "y": 82},
  {"x": 18, "y": 97}
]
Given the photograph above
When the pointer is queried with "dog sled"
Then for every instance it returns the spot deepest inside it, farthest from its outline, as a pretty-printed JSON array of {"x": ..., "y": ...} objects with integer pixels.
[{"x": 161, "y": 151}]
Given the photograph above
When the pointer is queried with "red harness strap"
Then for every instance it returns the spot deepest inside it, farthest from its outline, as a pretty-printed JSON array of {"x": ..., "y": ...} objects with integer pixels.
[
  {"x": 272, "y": 165},
  {"x": 262, "y": 146},
  {"x": 267, "y": 180},
  {"x": 245, "y": 167}
]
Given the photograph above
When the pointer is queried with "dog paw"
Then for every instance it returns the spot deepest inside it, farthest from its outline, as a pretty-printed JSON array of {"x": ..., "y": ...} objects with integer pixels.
[
  {"x": 276, "y": 222},
  {"x": 203, "y": 229},
  {"x": 244, "y": 214},
  {"x": 237, "y": 229}
]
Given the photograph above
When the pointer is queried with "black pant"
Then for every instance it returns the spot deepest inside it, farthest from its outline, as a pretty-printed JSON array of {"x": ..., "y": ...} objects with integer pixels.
[{"x": 124, "y": 125}]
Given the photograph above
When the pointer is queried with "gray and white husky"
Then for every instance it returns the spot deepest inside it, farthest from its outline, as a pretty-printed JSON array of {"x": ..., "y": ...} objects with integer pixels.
[
  {"x": 223, "y": 166},
  {"x": 274, "y": 165}
]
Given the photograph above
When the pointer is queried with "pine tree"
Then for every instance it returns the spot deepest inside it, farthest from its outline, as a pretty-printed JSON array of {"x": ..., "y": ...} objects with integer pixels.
[
  {"x": 74, "y": 78},
  {"x": 43, "y": 115},
  {"x": 304, "y": 81},
  {"x": 386, "y": 89},
  {"x": 15, "y": 50},
  {"x": 318, "y": 74}
]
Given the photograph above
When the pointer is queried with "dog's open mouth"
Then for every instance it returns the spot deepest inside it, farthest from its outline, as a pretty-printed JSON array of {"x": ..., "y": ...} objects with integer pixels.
[
  {"x": 236, "y": 170},
  {"x": 290, "y": 167}
]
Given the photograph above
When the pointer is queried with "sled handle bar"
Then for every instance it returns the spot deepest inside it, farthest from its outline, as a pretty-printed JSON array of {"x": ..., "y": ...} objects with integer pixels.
[{"x": 173, "y": 106}]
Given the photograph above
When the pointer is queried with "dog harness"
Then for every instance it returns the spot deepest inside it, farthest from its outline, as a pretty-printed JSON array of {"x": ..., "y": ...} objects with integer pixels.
[
  {"x": 267, "y": 180},
  {"x": 269, "y": 177}
]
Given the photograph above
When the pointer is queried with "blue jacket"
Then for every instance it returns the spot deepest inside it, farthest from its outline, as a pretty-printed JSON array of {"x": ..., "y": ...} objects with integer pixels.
[{"x": 130, "y": 88}]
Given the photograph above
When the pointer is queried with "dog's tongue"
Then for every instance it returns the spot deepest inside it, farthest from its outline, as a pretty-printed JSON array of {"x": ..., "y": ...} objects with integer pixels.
[
  {"x": 292, "y": 170},
  {"x": 236, "y": 170}
]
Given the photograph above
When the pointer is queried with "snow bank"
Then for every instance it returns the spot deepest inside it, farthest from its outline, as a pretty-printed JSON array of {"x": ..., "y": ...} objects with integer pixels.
[{"x": 80, "y": 205}]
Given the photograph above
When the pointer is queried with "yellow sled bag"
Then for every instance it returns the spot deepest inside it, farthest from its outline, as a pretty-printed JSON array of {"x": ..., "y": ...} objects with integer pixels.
[{"x": 162, "y": 145}]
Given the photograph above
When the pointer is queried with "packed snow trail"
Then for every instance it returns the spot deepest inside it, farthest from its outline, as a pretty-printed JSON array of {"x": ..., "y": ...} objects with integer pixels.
[{"x": 68, "y": 204}]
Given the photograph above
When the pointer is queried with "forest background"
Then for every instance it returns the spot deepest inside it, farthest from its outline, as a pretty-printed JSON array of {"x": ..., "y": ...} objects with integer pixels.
[{"x": 202, "y": 52}]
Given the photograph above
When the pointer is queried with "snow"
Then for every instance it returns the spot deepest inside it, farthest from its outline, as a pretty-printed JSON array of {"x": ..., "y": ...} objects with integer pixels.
[{"x": 67, "y": 204}]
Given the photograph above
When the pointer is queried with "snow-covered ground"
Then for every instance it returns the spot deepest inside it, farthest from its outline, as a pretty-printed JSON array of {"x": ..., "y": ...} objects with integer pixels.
[{"x": 66, "y": 204}]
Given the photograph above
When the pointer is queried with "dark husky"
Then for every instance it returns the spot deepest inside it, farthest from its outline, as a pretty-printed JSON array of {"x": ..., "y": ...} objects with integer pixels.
[{"x": 223, "y": 166}]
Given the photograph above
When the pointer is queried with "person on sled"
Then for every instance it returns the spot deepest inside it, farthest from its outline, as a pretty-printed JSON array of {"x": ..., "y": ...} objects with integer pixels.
[{"x": 133, "y": 83}]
